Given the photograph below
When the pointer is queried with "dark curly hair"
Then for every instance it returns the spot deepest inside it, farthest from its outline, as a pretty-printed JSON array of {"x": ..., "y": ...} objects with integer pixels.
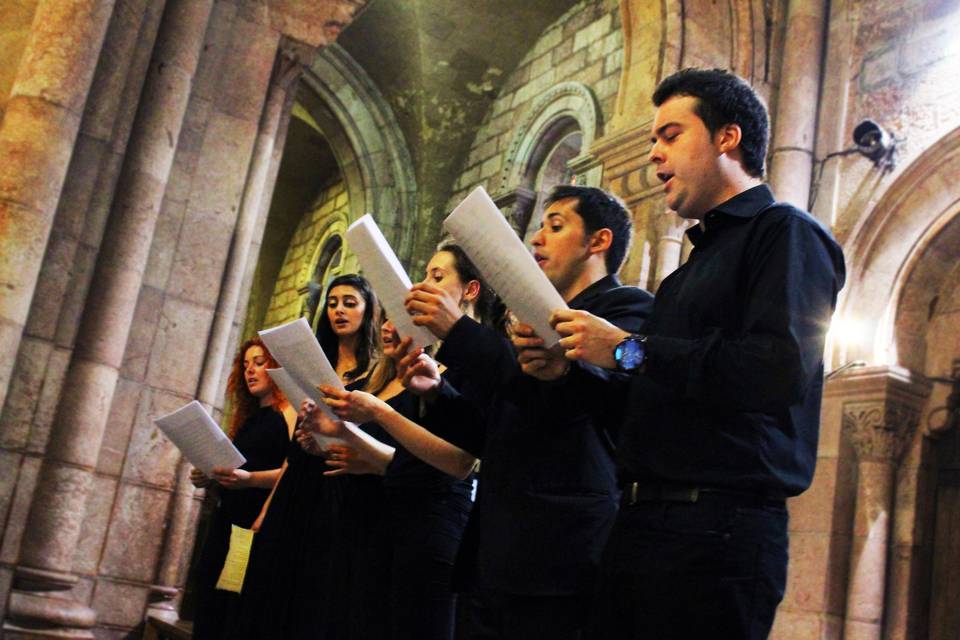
[
  {"x": 724, "y": 98},
  {"x": 600, "y": 210},
  {"x": 490, "y": 308},
  {"x": 368, "y": 343}
]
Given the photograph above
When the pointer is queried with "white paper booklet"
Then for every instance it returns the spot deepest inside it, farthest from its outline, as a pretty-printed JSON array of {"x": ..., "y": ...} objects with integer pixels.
[
  {"x": 200, "y": 439},
  {"x": 295, "y": 347},
  {"x": 296, "y": 395},
  {"x": 382, "y": 267},
  {"x": 505, "y": 263}
]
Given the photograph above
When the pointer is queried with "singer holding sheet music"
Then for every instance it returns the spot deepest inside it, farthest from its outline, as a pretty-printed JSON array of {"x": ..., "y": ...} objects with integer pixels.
[
  {"x": 547, "y": 495},
  {"x": 260, "y": 427},
  {"x": 291, "y": 584},
  {"x": 428, "y": 499}
]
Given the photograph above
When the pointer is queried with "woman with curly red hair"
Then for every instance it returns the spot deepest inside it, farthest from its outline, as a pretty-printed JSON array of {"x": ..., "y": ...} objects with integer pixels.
[{"x": 261, "y": 426}]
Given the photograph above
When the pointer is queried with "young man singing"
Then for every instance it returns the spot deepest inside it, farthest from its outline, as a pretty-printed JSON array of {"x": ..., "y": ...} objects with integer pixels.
[
  {"x": 722, "y": 409},
  {"x": 547, "y": 494}
]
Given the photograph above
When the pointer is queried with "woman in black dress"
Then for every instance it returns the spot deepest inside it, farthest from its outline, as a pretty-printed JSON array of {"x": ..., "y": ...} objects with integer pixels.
[
  {"x": 306, "y": 535},
  {"x": 260, "y": 427},
  {"x": 428, "y": 491}
]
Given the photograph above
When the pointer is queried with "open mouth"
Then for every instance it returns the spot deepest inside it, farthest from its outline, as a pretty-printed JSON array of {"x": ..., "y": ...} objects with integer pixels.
[
  {"x": 341, "y": 323},
  {"x": 666, "y": 178},
  {"x": 540, "y": 258}
]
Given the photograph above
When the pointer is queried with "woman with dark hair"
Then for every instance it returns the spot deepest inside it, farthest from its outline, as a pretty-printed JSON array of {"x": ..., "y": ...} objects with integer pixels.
[
  {"x": 428, "y": 491},
  {"x": 309, "y": 528},
  {"x": 261, "y": 426},
  {"x": 349, "y": 328}
]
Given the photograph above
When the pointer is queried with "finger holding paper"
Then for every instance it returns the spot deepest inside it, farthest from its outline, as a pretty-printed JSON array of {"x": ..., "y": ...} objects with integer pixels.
[
  {"x": 505, "y": 263},
  {"x": 587, "y": 337},
  {"x": 433, "y": 308},
  {"x": 387, "y": 276}
]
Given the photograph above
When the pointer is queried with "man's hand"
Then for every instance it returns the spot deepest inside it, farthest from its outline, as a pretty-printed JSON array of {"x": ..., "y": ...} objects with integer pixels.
[
  {"x": 419, "y": 372},
  {"x": 433, "y": 308},
  {"x": 231, "y": 478},
  {"x": 535, "y": 360},
  {"x": 584, "y": 336}
]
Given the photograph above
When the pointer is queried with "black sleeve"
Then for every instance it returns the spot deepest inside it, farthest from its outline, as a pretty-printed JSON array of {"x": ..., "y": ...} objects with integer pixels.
[
  {"x": 485, "y": 359},
  {"x": 795, "y": 273}
]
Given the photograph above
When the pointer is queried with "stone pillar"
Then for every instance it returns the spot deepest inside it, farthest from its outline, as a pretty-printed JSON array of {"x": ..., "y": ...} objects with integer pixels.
[
  {"x": 670, "y": 234},
  {"x": 67, "y": 473},
  {"x": 37, "y": 136},
  {"x": 286, "y": 72},
  {"x": 880, "y": 418},
  {"x": 285, "y": 75},
  {"x": 794, "y": 123}
]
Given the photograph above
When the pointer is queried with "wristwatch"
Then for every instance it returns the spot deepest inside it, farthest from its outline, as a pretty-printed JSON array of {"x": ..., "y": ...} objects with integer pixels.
[{"x": 631, "y": 353}]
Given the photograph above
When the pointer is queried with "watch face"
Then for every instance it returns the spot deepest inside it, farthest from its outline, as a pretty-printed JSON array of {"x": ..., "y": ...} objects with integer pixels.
[{"x": 629, "y": 354}]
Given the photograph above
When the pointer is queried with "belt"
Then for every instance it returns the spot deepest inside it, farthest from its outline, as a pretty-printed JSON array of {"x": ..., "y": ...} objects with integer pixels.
[{"x": 636, "y": 492}]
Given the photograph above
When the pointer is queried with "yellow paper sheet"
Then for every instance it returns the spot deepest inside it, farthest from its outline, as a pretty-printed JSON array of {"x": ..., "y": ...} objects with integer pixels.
[{"x": 235, "y": 566}]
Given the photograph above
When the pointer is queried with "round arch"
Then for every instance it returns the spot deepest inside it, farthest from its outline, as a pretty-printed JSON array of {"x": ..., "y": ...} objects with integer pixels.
[
  {"x": 563, "y": 108},
  {"x": 889, "y": 244},
  {"x": 367, "y": 144}
]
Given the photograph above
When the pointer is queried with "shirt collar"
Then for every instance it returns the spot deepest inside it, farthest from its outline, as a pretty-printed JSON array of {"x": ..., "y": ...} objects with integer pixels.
[
  {"x": 601, "y": 286},
  {"x": 744, "y": 205}
]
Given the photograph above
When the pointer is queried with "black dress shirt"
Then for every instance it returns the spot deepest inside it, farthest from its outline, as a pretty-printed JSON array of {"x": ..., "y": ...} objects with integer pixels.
[
  {"x": 547, "y": 495},
  {"x": 730, "y": 395}
]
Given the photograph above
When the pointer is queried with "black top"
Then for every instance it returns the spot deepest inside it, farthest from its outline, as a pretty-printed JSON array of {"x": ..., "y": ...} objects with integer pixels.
[
  {"x": 406, "y": 471},
  {"x": 263, "y": 441},
  {"x": 547, "y": 493},
  {"x": 734, "y": 376}
]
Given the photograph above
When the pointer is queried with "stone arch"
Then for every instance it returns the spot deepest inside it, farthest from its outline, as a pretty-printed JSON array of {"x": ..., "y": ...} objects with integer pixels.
[
  {"x": 368, "y": 145},
  {"x": 899, "y": 235},
  {"x": 567, "y": 102},
  {"x": 565, "y": 108}
]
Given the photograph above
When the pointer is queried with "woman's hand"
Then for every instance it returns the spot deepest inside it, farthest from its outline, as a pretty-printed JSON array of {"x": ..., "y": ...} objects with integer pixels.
[
  {"x": 420, "y": 373},
  {"x": 315, "y": 420},
  {"x": 231, "y": 478},
  {"x": 433, "y": 308},
  {"x": 354, "y": 406},
  {"x": 345, "y": 460},
  {"x": 307, "y": 442},
  {"x": 198, "y": 479}
]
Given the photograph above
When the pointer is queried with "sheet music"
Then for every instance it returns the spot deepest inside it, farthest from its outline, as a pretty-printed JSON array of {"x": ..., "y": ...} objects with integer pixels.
[
  {"x": 295, "y": 347},
  {"x": 199, "y": 438},
  {"x": 296, "y": 395},
  {"x": 505, "y": 263},
  {"x": 382, "y": 267}
]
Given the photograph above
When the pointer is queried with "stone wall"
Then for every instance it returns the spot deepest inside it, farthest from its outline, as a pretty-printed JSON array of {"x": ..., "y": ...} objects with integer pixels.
[
  {"x": 585, "y": 45},
  {"x": 332, "y": 210}
]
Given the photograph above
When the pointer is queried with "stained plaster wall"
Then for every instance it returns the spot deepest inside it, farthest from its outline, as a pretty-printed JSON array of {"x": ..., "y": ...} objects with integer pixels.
[{"x": 584, "y": 45}]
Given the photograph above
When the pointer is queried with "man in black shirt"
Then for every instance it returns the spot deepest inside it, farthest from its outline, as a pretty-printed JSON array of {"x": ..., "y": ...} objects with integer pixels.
[
  {"x": 547, "y": 497},
  {"x": 722, "y": 413}
]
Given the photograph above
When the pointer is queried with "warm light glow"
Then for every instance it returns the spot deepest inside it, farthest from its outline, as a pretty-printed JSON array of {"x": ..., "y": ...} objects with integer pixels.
[{"x": 848, "y": 333}]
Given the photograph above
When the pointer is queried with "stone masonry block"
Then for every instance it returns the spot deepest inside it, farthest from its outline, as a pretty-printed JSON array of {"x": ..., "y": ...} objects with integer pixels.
[
  {"x": 592, "y": 32},
  {"x": 151, "y": 458},
  {"x": 135, "y": 534},
  {"x": 119, "y": 604},
  {"x": 116, "y": 436},
  {"x": 93, "y": 531},
  {"x": 177, "y": 357}
]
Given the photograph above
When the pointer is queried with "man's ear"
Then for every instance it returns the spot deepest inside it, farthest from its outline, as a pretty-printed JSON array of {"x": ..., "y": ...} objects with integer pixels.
[
  {"x": 600, "y": 240},
  {"x": 728, "y": 137}
]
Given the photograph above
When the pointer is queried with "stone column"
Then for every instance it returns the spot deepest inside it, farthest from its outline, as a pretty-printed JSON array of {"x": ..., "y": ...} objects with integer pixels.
[
  {"x": 670, "y": 234},
  {"x": 285, "y": 75},
  {"x": 880, "y": 418},
  {"x": 37, "y": 135},
  {"x": 65, "y": 478},
  {"x": 794, "y": 123}
]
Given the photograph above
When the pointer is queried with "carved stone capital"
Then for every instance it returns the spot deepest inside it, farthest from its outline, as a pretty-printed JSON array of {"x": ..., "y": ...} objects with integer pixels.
[{"x": 880, "y": 430}]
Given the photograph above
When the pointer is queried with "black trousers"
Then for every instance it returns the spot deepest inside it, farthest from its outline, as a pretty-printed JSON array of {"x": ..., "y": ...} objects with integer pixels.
[
  {"x": 715, "y": 568},
  {"x": 424, "y": 531},
  {"x": 493, "y": 616}
]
